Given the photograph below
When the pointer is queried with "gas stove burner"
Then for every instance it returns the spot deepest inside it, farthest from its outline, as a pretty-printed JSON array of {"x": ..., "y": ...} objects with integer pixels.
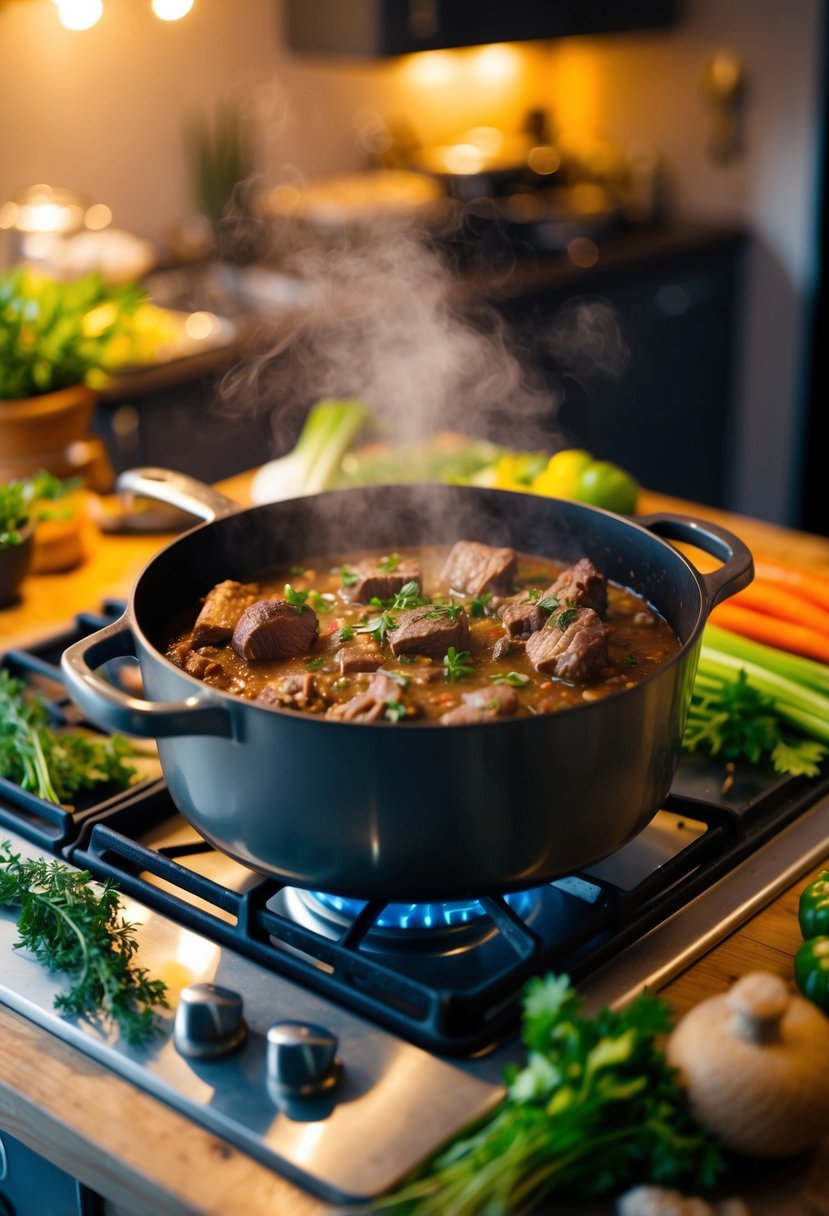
[{"x": 398, "y": 926}]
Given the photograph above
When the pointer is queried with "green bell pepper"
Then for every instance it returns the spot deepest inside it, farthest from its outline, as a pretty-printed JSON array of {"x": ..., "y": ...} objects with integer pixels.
[
  {"x": 811, "y": 971},
  {"x": 813, "y": 908}
]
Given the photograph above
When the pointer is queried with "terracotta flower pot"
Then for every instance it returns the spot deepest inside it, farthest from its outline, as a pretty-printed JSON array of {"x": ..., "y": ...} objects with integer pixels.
[
  {"x": 52, "y": 432},
  {"x": 46, "y": 423},
  {"x": 14, "y": 565}
]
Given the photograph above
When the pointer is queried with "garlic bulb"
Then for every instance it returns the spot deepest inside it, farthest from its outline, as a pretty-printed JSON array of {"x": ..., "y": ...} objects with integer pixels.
[{"x": 755, "y": 1062}]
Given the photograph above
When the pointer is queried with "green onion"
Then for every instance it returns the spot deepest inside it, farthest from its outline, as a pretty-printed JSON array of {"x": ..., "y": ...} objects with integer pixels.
[{"x": 326, "y": 436}]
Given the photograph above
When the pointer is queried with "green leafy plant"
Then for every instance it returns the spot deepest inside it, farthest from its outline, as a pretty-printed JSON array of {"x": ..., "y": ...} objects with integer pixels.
[
  {"x": 595, "y": 1108},
  {"x": 53, "y": 764},
  {"x": 70, "y": 926},
  {"x": 222, "y": 161},
  {"x": 28, "y": 499},
  {"x": 54, "y": 334},
  {"x": 753, "y": 702}
]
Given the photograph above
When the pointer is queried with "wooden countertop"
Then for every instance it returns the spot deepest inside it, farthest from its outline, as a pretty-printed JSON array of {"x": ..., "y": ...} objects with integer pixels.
[{"x": 144, "y": 1157}]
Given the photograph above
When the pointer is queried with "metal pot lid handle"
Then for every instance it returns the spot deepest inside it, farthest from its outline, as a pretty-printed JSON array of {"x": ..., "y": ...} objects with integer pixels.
[
  {"x": 737, "y": 569},
  {"x": 115, "y": 710},
  {"x": 177, "y": 490}
]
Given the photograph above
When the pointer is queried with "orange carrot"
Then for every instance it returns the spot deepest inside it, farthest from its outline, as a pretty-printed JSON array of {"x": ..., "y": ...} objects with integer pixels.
[
  {"x": 773, "y": 599},
  {"x": 797, "y": 639},
  {"x": 811, "y": 586}
]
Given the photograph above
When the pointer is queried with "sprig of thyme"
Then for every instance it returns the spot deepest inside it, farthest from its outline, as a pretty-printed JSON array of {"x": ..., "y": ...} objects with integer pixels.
[{"x": 70, "y": 926}]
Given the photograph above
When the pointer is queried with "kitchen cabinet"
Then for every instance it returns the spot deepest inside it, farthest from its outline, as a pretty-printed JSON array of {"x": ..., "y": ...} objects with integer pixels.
[
  {"x": 376, "y": 28},
  {"x": 667, "y": 410}
]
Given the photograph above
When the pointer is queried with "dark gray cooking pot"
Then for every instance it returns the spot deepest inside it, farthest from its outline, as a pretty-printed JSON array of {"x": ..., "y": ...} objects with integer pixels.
[{"x": 422, "y": 811}]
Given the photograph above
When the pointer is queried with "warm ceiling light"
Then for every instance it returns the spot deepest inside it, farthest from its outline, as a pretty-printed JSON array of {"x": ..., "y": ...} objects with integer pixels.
[
  {"x": 171, "y": 10},
  {"x": 497, "y": 62},
  {"x": 79, "y": 14},
  {"x": 432, "y": 69}
]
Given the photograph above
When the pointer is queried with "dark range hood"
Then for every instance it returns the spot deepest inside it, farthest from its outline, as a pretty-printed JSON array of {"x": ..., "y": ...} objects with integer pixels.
[{"x": 377, "y": 28}]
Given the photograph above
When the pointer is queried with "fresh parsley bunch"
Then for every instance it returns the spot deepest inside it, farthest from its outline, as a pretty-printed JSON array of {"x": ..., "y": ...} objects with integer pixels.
[
  {"x": 595, "y": 1109},
  {"x": 730, "y": 717},
  {"x": 53, "y": 764}
]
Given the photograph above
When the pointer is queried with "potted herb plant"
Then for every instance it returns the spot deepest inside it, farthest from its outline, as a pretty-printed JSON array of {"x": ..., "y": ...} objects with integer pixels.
[
  {"x": 54, "y": 337},
  {"x": 23, "y": 504}
]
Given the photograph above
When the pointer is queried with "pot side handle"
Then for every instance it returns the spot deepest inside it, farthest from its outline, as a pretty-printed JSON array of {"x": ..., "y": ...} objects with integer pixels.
[
  {"x": 107, "y": 706},
  {"x": 177, "y": 490},
  {"x": 737, "y": 569}
]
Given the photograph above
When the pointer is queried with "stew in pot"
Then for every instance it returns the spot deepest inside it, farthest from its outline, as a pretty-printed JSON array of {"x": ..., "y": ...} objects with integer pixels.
[{"x": 459, "y": 635}]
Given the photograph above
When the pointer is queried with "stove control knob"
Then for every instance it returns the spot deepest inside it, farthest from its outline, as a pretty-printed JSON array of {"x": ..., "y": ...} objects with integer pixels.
[
  {"x": 209, "y": 1022},
  {"x": 302, "y": 1059}
]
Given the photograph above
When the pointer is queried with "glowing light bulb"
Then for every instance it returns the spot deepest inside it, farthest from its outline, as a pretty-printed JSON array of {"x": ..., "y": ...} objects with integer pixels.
[
  {"x": 79, "y": 14},
  {"x": 171, "y": 10},
  {"x": 432, "y": 69},
  {"x": 497, "y": 62}
]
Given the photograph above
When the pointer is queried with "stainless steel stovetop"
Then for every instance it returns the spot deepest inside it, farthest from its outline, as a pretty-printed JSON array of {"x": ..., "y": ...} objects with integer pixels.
[{"x": 423, "y": 1018}]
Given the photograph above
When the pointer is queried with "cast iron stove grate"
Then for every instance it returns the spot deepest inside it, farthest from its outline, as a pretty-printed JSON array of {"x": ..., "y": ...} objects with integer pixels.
[{"x": 451, "y": 993}]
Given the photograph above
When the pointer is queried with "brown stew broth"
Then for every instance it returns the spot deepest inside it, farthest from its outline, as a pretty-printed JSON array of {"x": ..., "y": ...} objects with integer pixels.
[{"x": 640, "y": 642}]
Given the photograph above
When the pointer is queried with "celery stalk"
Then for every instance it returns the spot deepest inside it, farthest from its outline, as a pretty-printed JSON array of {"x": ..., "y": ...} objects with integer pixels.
[{"x": 801, "y": 670}]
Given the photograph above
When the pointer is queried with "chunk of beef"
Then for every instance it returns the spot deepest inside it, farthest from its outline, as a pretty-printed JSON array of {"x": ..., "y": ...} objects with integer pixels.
[
  {"x": 521, "y": 615},
  {"x": 499, "y": 701},
  {"x": 575, "y": 653},
  {"x": 200, "y": 666},
  {"x": 430, "y": 630},
  {"x": 506, "y": 646},
  {"x": 369, "y": 706},
  {"x": 274, "y": 629},
  {"x": 472, "y": 568},
  {"x": 375, "y": 582},
  {"x": 358, "y": 657},
  {"x": 220, "y": 612},
  {"x": 582, "y": 584},
  {"x": 295, "y": 691}
]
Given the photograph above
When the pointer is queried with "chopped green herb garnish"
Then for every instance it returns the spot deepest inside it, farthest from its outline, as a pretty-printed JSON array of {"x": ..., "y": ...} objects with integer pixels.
[
  {"x": 549, "y": 603},
  {"x": 296, "y": 598},
  {"x": 314, "y": 664},
  {"x": 379, "y": 627},
  {"x": 69, "y": 925},
  {"x": 479, "y": 603},
  {"x": 321, "y": 603},
  {"x": 389, "y": 563},
  {"x": 533, "y": 595},
  {"x": 342, "y": 682},
  {"x": 348, "y": 577},
  {"x": 405, "y": 658},
  {"x": 345, "y": 634},
  {"x": 395, "y": 711},
  {"x": 514, "y": 678},
  {"x": 630, "y": 660},
  {"x": 409, "y": 596},
  {"x": 564, "y": 618},
  {"x": 456, "y": 664},
  {"x": 443, "y": 611},
  {"x": 297, "y": 570}
]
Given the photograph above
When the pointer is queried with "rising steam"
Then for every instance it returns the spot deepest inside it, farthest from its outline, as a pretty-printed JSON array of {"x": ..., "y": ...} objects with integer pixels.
[{"x": 387, "y": 321}]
